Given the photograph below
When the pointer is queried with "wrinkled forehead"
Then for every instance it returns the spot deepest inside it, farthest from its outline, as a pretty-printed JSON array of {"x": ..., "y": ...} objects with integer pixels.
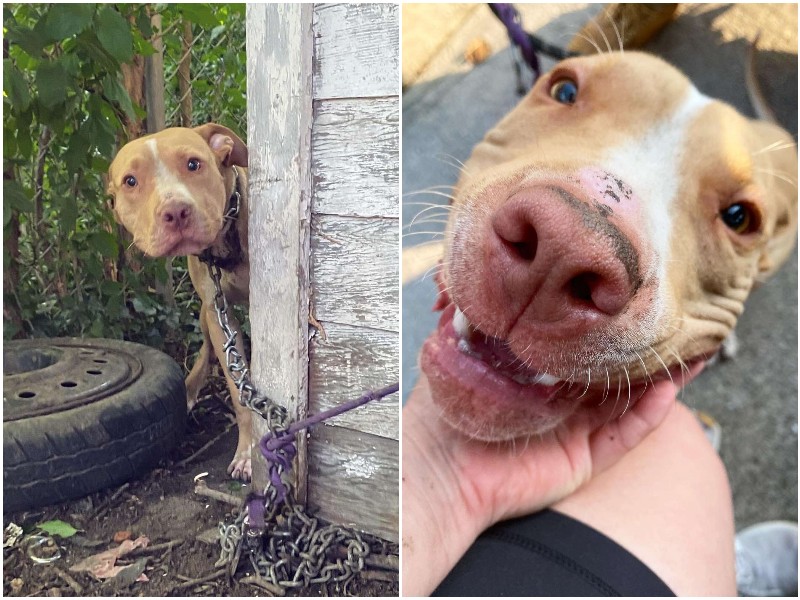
[{"x": 154, "y": 149}]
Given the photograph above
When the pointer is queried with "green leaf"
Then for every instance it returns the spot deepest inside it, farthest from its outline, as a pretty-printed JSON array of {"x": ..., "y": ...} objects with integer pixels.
[
  {"x": 30, "y": 40},
  {"x": 143, "y": 23},
  {"x": 15, "y": 86},
  {"x": 116, "y": 93},
  {"x": 66, "y": 20},
  {"x": 59, "y": 528},
  {"x": 201, "y": 14},
  {"x": 16, "y": 196},
  {"x": 51, "y": 80},
  {"x": 114, "y": 34},
  {"x": 104, "y": 242},
  {"x": 78, "y": 149}
]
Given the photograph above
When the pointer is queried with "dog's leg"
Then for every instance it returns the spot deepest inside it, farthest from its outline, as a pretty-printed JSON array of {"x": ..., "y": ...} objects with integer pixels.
[
  {"x": 240, "y": 467},
  {"x": 199, "y": 374}
]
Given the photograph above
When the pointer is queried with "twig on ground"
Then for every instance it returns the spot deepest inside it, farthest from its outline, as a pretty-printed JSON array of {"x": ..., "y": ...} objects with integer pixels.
[
  {"x": 155, "y": 548},
  {"x": 203, "y": 579},
  {"x": 202, "y": 489},
  {"x": 380, "y": 561},
  {"x": 391, "y": 576},
  {"x": 74, "y": 585},
  {"x": 104, "y": 506},
  {"x": 204, "y": 447},
  {"x": 264, "y": 584}
]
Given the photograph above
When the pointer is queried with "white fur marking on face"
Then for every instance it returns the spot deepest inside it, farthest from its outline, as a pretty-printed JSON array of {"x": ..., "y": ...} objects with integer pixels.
[
  {"x": 166, "y": 180},
  {"x": 651, "y": 166}
]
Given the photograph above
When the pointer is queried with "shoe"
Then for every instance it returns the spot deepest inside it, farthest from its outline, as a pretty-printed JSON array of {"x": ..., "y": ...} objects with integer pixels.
[
  {"x": 711, "y": 428},
  {"x": 766, "y": 559}
]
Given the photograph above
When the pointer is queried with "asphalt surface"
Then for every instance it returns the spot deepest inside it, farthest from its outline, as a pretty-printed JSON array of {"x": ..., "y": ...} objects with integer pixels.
[{"x": 448, "y": 106}]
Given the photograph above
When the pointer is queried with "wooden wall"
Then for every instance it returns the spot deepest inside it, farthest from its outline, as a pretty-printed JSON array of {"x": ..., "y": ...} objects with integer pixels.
[{"x": 323, "y": 114}]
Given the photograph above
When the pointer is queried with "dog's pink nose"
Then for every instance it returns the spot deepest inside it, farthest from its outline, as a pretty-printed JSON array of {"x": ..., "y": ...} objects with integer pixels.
[
  {"x": 562, "y": 256},
  {"x": 175, "y": 215}
]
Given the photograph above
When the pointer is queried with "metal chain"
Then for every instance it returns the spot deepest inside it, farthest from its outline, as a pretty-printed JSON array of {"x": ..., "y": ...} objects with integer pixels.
[{"x": 295, "y": 551}]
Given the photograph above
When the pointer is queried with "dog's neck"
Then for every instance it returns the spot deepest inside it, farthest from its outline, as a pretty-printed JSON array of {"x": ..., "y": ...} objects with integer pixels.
[{"x": 226, "y": 252}]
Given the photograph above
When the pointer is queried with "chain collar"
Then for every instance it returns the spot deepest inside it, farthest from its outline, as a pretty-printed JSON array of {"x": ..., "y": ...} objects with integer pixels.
[{"x": 229, "y": 232}]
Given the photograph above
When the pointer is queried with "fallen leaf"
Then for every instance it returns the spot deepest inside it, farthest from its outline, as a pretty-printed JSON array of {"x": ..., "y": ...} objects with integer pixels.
[
  {"x": 121, "y": 536},
  {"x": 59, "y": 528},
  {"x": 102, "y": 565}
]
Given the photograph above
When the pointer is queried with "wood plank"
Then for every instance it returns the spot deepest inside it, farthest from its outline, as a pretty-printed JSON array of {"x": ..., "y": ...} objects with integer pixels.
[
  {"x": 279, "y": 116},
  {"x": 357, "y": 50},
  {"x": 355, "y": 157},
  {"x": 355, "y": 266},
  {"x": 354, "y": 480},
  {"x": 346, "y": 364}
]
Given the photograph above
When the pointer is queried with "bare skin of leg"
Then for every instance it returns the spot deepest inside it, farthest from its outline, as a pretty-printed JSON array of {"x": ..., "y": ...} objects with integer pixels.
[{"x": 668, "y": 502}]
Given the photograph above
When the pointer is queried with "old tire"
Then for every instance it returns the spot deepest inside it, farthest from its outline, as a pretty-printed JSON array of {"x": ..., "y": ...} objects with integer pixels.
[{"x": 81, "y": 415}]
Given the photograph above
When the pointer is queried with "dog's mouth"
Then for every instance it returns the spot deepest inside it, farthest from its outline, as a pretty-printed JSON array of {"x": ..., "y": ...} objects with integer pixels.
[{"x": 489, "y": 393}]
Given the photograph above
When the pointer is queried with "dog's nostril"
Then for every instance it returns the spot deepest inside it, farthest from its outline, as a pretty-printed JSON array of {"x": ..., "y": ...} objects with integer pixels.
[
  {"x": 580, "y": 287},
  {"x": 185, "y": 213},
  {"x": 168, "y": 217},
  {"x": 523, "y": 245}
]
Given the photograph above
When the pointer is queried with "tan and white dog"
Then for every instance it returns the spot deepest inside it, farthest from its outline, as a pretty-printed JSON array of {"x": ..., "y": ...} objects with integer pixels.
[
  {"x": 604, "y": 234},
  {"x": 171, "y": 191}
]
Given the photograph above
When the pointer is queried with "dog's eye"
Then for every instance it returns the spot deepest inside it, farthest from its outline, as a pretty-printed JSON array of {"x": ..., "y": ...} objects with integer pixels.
[
  {"x": 564, "y": 91},
  {"x": 740, "y": 218},
  {"x": 193, "y": 164},
  {"x": 130, "y": 181}
]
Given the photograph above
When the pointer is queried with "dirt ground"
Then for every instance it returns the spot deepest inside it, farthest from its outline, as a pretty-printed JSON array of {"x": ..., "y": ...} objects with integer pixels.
[{"x": 180, "y": 525}]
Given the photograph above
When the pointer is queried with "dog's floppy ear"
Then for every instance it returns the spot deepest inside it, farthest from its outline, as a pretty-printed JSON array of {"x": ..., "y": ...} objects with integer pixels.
[
  {"x": 110, "y": 195},
  {"x": 230, "y": 149},
  {"x": 777, "y": 164}
]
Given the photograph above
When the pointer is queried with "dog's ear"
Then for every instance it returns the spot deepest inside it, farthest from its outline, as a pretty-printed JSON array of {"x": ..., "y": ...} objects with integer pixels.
[
  {"x": 776, "y": 162},
  {"x": 110, "y": 194},
  {"x": 230, "y": 149}
]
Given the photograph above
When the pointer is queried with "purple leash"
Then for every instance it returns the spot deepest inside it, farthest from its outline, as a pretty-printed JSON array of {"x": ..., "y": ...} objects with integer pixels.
[
  {"x": 512, "y": 21},
  {"x": 279, "y": 450}
]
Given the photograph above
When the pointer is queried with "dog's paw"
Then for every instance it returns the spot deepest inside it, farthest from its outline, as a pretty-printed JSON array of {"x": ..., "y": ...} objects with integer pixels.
[{"x": 241, "y": 467}]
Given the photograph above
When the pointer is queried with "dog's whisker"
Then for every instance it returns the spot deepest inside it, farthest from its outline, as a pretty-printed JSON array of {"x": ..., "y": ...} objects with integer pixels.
[
  {"x": 430, "y": 220},
  {"x": 591, "y": 41},
  {"x": 617, "y": 32},
  {"x": 431, "y": 193},
  {"x": 774, "y": 147},
  {"x": 459, "y": 165},
  {"x": 777, "y": 174},
  {"x": 628, "y": 403},
  {"x": 661, "y": 360},
  {"x": 436, "y": 233},
  {"x": 602, "y": 33}
]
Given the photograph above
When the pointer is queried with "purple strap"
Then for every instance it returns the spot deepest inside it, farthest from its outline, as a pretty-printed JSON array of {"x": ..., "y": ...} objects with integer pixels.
[
  {"x": 279, "y": 448},
  {"x": 509, "y": 16}
]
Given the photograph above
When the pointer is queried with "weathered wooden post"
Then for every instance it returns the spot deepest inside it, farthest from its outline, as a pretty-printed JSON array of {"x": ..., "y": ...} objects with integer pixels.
[{"x": 323, "y": 117}]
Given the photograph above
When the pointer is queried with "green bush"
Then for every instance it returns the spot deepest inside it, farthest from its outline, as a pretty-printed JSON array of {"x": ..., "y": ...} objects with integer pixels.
[{"x": 68, "y": 269}]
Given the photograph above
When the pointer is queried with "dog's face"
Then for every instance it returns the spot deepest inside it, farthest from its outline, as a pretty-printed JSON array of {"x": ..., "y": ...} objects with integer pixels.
[
  {"x": 604, "y": 234},
  {"x": 169, "y": 188}
]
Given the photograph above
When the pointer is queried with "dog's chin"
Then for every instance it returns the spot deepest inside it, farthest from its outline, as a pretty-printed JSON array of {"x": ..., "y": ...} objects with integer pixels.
[
  {"x": 488, "y": 394},
  {"x": 184, "y": 245}
]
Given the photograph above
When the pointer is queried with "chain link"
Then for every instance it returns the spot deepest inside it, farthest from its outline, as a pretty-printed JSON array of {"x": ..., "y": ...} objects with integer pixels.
[{"x": 295, "y": 551}]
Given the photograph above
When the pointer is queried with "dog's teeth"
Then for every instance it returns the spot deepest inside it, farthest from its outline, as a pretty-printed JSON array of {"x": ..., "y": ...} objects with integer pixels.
[
  {"x": 465, "y": 347},
  {"x": 460, "y": 324},
  {"x": 545, "y": 379}
]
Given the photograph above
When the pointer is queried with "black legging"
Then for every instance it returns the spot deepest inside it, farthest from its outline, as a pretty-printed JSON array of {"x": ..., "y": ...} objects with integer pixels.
[{"x": 549, "y": 554}]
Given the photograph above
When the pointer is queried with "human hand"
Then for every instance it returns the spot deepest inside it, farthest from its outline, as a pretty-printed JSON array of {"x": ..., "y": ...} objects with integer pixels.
[{"x": 455, "y": 487}]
